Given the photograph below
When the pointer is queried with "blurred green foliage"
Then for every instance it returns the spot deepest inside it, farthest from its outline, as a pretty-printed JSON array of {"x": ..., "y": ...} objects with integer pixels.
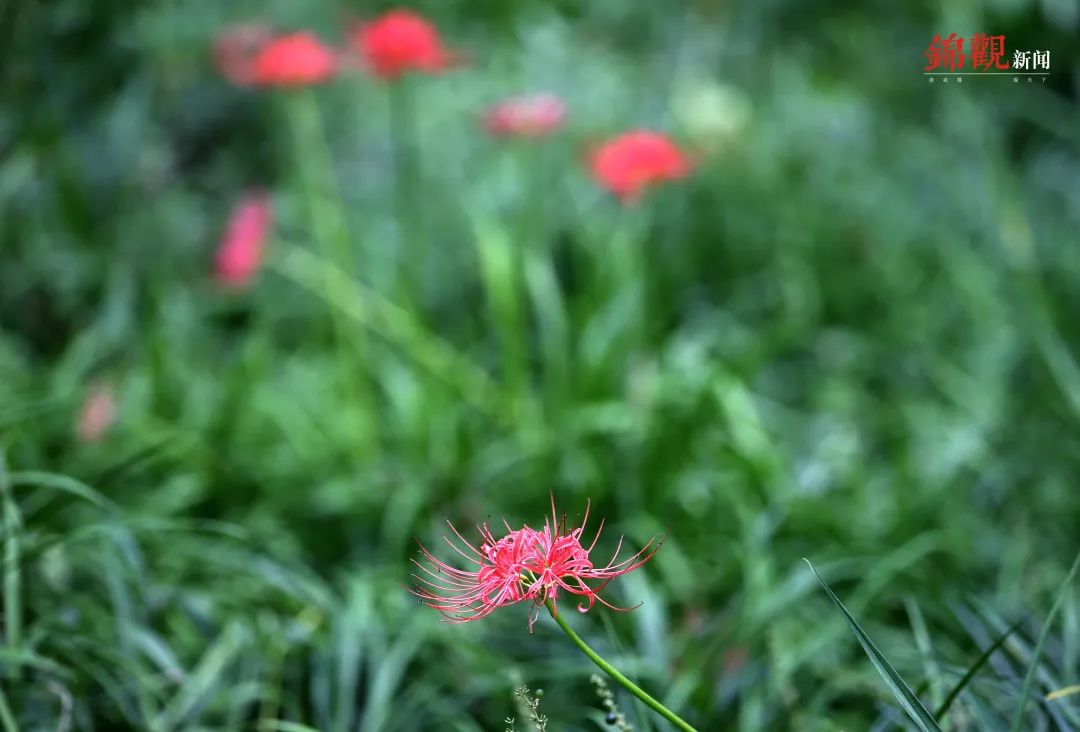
[{"x": 849, "y": 336}]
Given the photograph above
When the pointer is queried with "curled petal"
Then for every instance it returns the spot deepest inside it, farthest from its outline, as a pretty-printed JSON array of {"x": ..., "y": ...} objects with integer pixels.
[{"x": 524, "y": 564}]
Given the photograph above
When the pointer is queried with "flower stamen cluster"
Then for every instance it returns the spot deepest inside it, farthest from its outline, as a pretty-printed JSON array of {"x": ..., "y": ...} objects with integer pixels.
[{"x": 523, "y": 565}]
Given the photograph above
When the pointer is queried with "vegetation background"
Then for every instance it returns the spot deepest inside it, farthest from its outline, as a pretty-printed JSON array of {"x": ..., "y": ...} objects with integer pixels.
[{"x": 850, "y": 336}]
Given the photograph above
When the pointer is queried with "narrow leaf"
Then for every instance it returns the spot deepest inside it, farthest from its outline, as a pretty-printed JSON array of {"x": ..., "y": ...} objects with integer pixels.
[
  {"x": 1062, "y": 693},
  {"x": 975, "y": 669},
  {"x": 12, "y": 582},
  {"x": 204, "y": 680},
  {"x": 900, "y": 690},
  {"x": 1029, "y": 678},
  {"x": 276, "y": 725},
  {"x": 7, "y": 720}
]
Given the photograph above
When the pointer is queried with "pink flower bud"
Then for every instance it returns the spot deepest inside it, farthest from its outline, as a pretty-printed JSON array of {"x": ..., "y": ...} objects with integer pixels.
[{"x": 241, "y": 250}]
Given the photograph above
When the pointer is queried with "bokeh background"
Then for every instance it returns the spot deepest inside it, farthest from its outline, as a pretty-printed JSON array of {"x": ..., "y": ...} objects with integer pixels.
[{"x": 849, "y": 336}]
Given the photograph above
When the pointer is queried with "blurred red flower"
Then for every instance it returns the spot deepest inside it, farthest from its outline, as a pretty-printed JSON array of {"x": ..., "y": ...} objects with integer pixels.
[
  {"x": 735, "y": 659},
  {"x": 241, "y": 249},
  {"x": 97, "y": 414},
  {"x": 629, "y": 163},
  {"x": 236, "y": 48},
  {"x": 293, "y": 60},
  {"x": 535, "y": 115},
  {"x": 400, "y": 41}
]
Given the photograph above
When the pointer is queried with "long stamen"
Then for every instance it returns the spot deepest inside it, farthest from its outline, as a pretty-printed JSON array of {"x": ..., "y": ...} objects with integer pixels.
[
  {"x": 463, "y": 540},
  {"x": 524, "y": 564}
]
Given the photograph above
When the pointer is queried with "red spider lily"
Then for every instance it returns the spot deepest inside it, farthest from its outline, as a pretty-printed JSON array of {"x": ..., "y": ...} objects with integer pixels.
[
  {"x": 529, "y": 116},
  {"x": 464, "y": 595},
  {"x": 293, "y": 60},
  {"x": 98, "y": 413},
  {"x": 523, "y": 565},
  {"x": 400, "y": 41},
  {"x": 236, "y": 48},
  {"x": 564, "y": 563},
  {"x": 241, "y": 249},
  {"x": 635, "y": 160}
]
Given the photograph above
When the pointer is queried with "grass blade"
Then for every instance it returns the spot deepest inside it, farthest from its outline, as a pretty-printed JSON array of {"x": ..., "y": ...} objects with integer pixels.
[
  {"x": 1029, "y": 677},
  {"x": 1062, "y": 693},
  {"x": 6, "y": 718},
  {"x": 975, "y": 669},
  {"x": 28, "y": 659},
  {"x": 205, "y": 680},
  {"x": 63, "y": 484},
  {"x": 395, "y": 324},
  {"x": 931, "y": 668},
  {"x": 12, "y": 583},
  {"x": 500, "y": 273},
  {"x": 900, "y": 690},
  {"x": 276, "y": 725}
]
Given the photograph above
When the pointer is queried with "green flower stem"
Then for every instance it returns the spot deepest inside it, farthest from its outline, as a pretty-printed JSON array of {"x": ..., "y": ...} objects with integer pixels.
[
  {"x": 553, "y": 329},
  {"x": 411, "y": 267},
  {"x": 615, "y": 674},
  {"x": 629, "y": 239},
  {"x": 500, "y": 271},
  {"x": 327, "y": 211},
  {"x": 537, "y": 267}
]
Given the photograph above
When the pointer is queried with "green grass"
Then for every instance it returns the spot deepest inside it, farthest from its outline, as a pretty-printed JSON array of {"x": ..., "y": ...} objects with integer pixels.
[{"x": 849, "y": 336}]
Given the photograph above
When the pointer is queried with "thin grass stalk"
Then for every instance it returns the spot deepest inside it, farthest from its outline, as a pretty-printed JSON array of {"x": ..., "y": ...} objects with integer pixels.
[
  {"x": 12, "y": 570},
  {"x": 7, "y": 719},
  {"x": 1029, "y": 678}
]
